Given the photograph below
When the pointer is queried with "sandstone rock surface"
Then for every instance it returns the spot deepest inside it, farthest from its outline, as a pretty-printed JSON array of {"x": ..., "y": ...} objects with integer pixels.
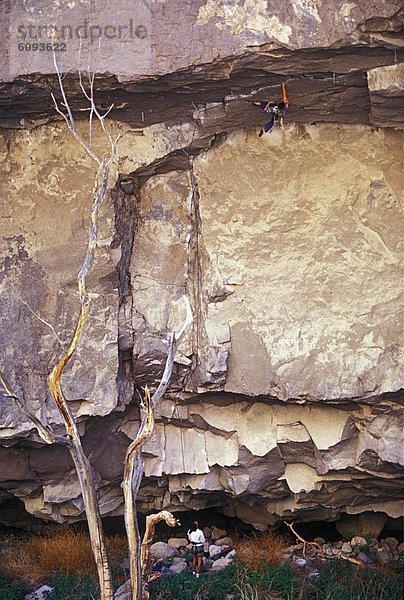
[{"x": 285, "y": 397}]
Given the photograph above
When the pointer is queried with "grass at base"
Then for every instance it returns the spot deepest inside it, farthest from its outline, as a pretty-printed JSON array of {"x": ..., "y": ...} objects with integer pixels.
[{"x": 337, "y": 580}]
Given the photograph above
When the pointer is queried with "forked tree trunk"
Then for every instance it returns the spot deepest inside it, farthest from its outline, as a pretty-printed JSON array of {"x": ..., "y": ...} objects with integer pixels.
[
  {"x": 134, "y": 466},
  {"x": 83, "y": 467},
  {"x": 133, "y": 474}
]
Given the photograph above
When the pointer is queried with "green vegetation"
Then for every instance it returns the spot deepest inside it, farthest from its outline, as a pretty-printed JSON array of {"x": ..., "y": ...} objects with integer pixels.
[
  {"x": 11, "y": 590},
  {"x": 64, "y": 561},
  {"x": 340, "y": 580},
  {"x": 71, "y": 587},
  {"x": 337, "y": 580}
]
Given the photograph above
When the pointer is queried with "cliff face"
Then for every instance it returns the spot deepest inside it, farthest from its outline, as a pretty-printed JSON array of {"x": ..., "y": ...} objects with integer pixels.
[{"x": 285, "y": 398}]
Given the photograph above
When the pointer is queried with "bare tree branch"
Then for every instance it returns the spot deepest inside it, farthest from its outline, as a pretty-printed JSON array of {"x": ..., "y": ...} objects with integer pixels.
[
  {"x": 151, "y": 522},
  {"x": 350, "y": 559},
  {"x": 69, "y": 119},
  {"x": 46, "y": 434},
  {"x": 42, "y": 320}
]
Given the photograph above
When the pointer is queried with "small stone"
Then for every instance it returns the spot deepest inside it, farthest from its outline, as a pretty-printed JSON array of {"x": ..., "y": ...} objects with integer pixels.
[
  {"x": 294, "y": 548},
  {"x": 346, "y": 548},
  {"x": 400, "y": 548},
  {"x": 335, "y": 551},
  {"x": 300, "y": 562},
  {"x": 382, "y": 556},
  {"x": 391, "y": 543},
  {"x": 319, "y": 540},
  {"x": 338, "y": 545},
  {"x": 358, "y": 541},
  {"x": 363, "y": 557},
  {"x": 127, "y": 186},
  {"x": 39, "y": 593}
]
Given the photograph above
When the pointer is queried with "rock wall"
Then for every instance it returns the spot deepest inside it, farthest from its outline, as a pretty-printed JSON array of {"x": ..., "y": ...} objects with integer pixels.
[
  {"x": 286, "y": 394},
  {"x": 284, "y": 398}
]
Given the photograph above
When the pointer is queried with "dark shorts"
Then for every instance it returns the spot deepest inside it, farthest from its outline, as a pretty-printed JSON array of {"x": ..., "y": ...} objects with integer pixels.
[{"x": 197, "y": 550}]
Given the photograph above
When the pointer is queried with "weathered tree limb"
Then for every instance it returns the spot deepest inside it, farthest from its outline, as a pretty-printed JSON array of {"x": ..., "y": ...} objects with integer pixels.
[
  {"x": 151, "y": 521},
  {"x": 46, "y": 434},
  {"x": 354, "y": 561},
  {"x": 133, "y": 474},
  {"x": 305, "y": 542},
  {"x": 134, "y": 466},
  {"x": 83, "y": 467},
  {"x": 42, "y": 320}
]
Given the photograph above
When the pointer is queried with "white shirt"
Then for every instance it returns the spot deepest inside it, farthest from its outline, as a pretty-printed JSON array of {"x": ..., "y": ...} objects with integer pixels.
[{"x": 196, "y": 537}]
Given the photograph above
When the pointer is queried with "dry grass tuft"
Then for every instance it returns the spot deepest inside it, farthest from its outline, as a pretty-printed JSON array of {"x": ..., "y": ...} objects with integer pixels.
[
  {"x": 266, "y": 549},
  {"x": 67, "y": 551}
]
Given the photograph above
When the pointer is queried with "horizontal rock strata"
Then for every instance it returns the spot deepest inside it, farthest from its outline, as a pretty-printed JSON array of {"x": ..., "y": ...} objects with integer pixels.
[
  {"x": 283, "y": 270},
  {"x": 286, "y": 393}
]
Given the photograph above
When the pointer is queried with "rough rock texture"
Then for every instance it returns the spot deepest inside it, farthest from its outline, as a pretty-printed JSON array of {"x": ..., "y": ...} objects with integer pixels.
[
  {"x": 386, "y": 88},
  {"x": 323, "y": 48},
  {"x": 285, "y": 397}
]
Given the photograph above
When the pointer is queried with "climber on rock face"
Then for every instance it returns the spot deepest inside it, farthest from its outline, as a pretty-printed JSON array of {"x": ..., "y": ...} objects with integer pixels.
[{"x": 277, "y": 110}]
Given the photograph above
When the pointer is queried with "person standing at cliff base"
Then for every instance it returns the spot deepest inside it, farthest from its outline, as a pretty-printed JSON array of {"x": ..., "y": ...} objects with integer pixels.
[
  {"x": 197, "y": 539},
  {"x": 277, "y": 110}
]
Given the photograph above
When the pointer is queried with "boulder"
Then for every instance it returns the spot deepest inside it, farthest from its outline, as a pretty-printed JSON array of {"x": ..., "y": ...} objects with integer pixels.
[
  {"x": 214, "y": 550},
  {"x": 39, "y": 594},
  {"x": 221, "y": 563},
  {"x": 358, "y": 541},
  {"x": 389, "y": 543},
  {"x": 207, "y": 532},
  {"x": 367, "y": 523},
  {"x": 226, "y": 541},
  {"x": 123, "y": 593},
  {"x": 217, "y": 533},
  {"x": 177, "y": 543},
  {"x": 161, "y": 550},
  {"x": 178, "y": 566}
]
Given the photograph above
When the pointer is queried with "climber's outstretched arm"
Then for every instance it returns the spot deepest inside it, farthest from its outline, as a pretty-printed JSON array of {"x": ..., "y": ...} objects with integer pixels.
[{"x": 285, "y": 98}]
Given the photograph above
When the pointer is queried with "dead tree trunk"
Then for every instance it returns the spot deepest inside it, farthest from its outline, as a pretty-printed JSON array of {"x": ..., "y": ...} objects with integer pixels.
[
  {"x": 151, "y": 521},
  {"x": 83, "y": 467},
  {"x": 134, "y": 466}
]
